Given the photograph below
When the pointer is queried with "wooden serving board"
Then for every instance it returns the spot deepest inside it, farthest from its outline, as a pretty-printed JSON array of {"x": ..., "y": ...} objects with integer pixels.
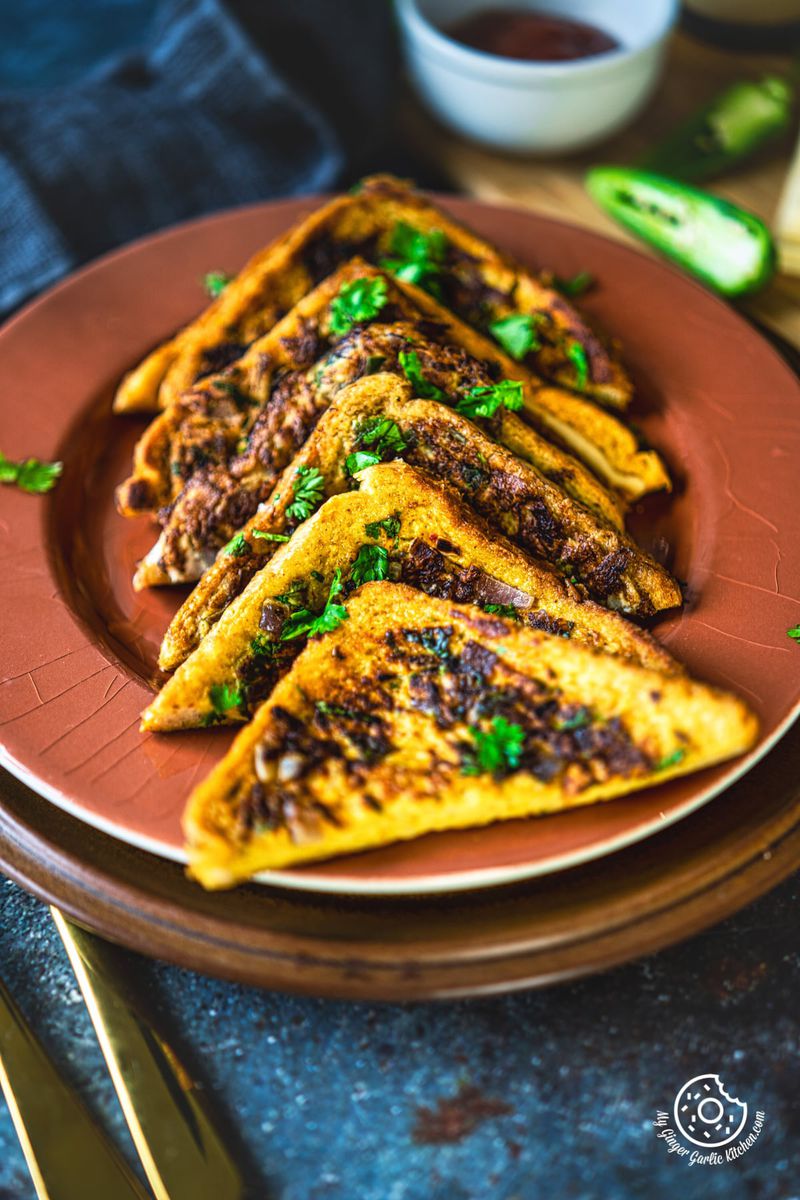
[{"x": 694, "y": 73}]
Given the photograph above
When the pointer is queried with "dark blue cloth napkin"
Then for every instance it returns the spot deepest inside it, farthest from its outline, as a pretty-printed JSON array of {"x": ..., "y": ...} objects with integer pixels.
[{"x": 228, "y": 103}]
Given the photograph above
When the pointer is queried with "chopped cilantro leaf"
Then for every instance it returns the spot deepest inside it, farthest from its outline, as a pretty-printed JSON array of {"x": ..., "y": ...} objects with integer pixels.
[
  {"x": 485, "y": 401},
  {"x": 264, "y": 647},
  {"x": 303, "y": 621},
  {"x": 409, "y": 361},
  {"x": 503, "y": 610},
  {"x": 497, "y": 749},
  {"x": 266, "y": 536},
  {"x": 794, "y": 633},
  {"x": 374, "y": 363},
  {"x": 295, "y": 597},
  {"x": 384, "y": 439},
  {"x": 360, "y": 300},
  {"x": 372, "y": 562},
  {"x": 577, "y": 356},
  {"x": 416, "y": 257},
  {"x": 516, "y": 333},
  {"x": 32, "y": 475},
  {"x": 671, "y": 760},
  {"x": 576, "y": 285},
  {"x": 579, "y": 720},
  {"x": 237, "y": 546},
  {"x": 215, "y": 283},
  {"x": 224, "y": 697},
  {"x": 389, "y": 525},
  {"x": 307, "y": 492}
]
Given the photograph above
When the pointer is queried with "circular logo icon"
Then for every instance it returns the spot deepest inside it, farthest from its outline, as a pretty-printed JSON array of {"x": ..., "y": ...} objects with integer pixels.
[{"x": 706, "y": 1115}]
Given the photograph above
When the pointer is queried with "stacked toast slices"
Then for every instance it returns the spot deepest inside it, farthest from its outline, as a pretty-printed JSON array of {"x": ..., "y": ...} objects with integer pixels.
[{"x": 396, "y": 467}]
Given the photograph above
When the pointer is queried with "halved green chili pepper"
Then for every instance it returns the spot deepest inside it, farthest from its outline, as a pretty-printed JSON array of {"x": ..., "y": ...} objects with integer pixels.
[
  {"x": 725, "y": 131},
  {"x": 729, "y": 249}
]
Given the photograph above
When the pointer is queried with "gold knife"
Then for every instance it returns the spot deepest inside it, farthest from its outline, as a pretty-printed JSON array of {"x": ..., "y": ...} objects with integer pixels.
[
  {"x": 68, "y": 1155},
  {"x": 181, "y": 1152}
]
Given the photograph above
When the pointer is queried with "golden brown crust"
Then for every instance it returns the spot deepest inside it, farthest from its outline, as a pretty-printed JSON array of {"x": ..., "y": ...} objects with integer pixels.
[
  {"x": 478, "y": 282},
  {"x": 433, "y": 542},
  {"x": 367, "y": 740}
]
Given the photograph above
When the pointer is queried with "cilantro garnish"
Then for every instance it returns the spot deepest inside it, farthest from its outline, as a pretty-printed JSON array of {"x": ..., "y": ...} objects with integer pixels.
[
  {"x": 409, "y": 361},
  {"x": 306, "y": 622},
  {"x": 224, "y": 697},
  {"x": 671, "y": 760},
  {"x": 516, "y": 333},
  {"x": 503, "y": 610},
  {"x": 237, "y": 546},
  {"x": 266, "y": 536},
  {"x": 295, "y": 597},
  {"x": 579, "y": 720},
  {"x": 32, "y": 475},
  {"x": 485, "y": 401},
  {"x": 389, "y": 525},
  {"x": 497, "y": 749},
  {"x": 384, "y": 440},
  {"x": 794, "y": 633},
  {"x": 576, "y": 285},
  {"x": 307, "y": 493},
  {"x": 264, "y": 647},
  {"x": 577, "y": 356},
  {"x": 416, "y": 257},
  {"x": 360, "y": 300},
  {"x": 372, "y": 562},
  {"x": 215, "y": 283}
]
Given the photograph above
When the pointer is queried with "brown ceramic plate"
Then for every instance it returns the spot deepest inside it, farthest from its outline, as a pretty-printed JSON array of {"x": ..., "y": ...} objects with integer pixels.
[{"x": 79, "y": 647}]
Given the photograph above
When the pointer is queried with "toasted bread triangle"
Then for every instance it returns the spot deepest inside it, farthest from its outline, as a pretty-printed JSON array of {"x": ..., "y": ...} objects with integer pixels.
[
  {"x": 418, "y": 714},
  {"x": 511, "y": 495},
  {"x": 417, "y": 531},
  {"x": 478, "y": 281}
]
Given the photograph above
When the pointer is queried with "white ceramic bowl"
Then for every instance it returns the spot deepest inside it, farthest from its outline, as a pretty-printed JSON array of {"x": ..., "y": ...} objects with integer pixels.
[{"x": 533, "y": 107}]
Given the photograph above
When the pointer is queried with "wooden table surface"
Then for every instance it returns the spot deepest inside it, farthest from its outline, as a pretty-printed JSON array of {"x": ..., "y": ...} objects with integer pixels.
[{"x": 694, "y": 73}]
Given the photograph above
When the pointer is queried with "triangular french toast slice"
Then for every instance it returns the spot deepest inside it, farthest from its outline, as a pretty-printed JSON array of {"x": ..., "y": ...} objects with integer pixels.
[
  {"x": 399, "y": 524},
  {"x": 511, "y": 495},
  {"x": 278, "y": 383},
  {"x": 418, "y": 714},
  {"x": 384, "y": 221}
]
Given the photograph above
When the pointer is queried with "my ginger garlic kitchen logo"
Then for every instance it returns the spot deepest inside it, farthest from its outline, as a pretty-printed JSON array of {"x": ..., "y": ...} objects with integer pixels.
[{"x": 713, "y": 1122}]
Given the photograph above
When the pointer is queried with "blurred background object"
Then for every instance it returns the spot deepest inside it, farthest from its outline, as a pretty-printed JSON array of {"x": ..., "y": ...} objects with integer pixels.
[
  {"x": 565, "y": 75},
  {"x": 744, "y": 24}
]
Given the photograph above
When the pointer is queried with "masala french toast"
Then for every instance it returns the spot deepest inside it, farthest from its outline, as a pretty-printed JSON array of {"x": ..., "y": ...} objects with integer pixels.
[
  {"x": 399, "y": 524},
  {"x": 283, "y": 373},
  {"x": 216, "y": 500},
  {"x": 418, "y": 714},
  {"x": 515, "y": 500},
  {"x": 385, "y": 221}
]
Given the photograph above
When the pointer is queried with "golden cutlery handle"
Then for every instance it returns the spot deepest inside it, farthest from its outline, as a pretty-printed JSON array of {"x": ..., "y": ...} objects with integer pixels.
[
  {"x": 181, "y": 1152},
  {"x": 68, "y": 1156}
]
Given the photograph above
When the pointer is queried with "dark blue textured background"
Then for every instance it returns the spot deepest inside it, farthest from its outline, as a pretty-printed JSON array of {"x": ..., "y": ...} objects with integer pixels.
[{"x": 330, "y": 1098}]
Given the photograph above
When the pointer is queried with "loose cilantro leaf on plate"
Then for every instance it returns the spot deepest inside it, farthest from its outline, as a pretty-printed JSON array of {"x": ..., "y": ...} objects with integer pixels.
[
  {"x": 576, "y": 285},
  {"x": 303, "y": 621},
  {"x": 360, "y": 300},
  {"x": 412, "y": 369},
  {"x": 372, "y": 562},
  {"x": 497, "y": 750},
  {"x": 485, "y": 401},
  {"x": 577, "y": 356},
  {"x": 32, "y": 475},
  {"x": 416, "y": 257},
  {"x": 794, "y": 633},
  {"x": 237, "y": 546},
  {"x": 215, "y": 283},
  {"x": 224, "y": 697},
  {"x": 307, "y": 492},
  {"x": 516, "y": 333}
]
